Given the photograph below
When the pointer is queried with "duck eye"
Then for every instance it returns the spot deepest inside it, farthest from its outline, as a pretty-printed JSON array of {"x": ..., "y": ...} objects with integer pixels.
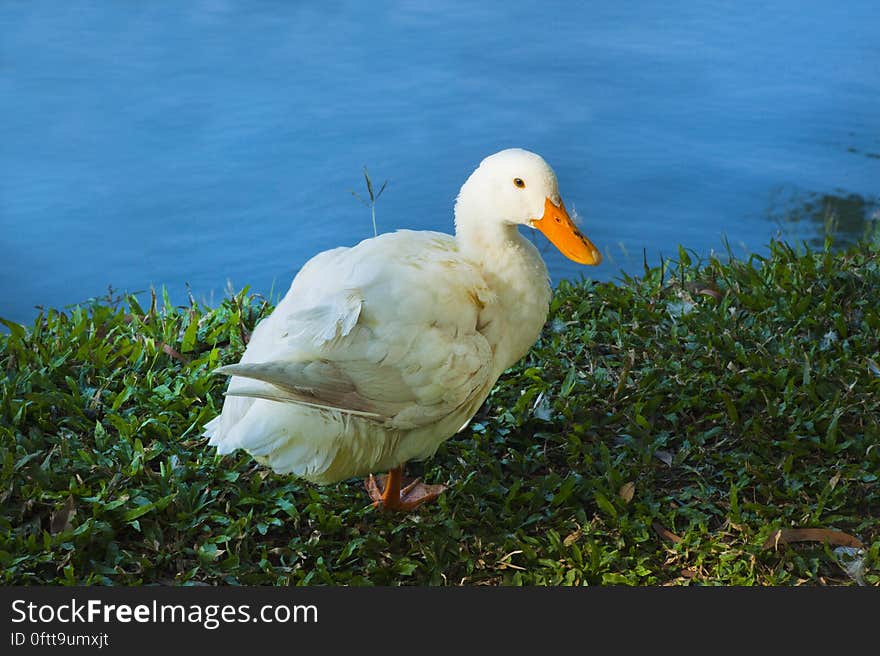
[{"x": 519, "y": 183}]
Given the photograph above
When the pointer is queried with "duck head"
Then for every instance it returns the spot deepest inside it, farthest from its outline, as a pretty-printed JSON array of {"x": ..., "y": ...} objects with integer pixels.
[{"x": 517, "y": 187}]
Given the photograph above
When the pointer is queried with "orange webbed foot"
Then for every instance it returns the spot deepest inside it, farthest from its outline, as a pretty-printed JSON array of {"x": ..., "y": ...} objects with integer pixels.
[{"x": 388, "y": 495}]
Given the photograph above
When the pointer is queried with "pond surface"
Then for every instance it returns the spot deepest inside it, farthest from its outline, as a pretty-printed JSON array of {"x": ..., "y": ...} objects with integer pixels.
[{"x": 208, "y": 142}]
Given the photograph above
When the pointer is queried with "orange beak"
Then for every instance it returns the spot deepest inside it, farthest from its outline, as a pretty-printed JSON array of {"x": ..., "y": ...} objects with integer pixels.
[{"x": 558, "y": 227}]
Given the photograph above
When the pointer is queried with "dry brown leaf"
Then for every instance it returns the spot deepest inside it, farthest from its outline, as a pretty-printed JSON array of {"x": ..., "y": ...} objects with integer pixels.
[
  {"x": 174, "y": 353},
  {"x": 706, "y": 291},
  {"x": 60, "y": 519},
  {"x": 505, "y": 561},
  {"x": 830, "y": 535},
  {"x": 572, "y": 537},
  {"x": 96, "y": 399},
  {"x": 665, "y": 533},
  {"x": 627, "y": 490}
]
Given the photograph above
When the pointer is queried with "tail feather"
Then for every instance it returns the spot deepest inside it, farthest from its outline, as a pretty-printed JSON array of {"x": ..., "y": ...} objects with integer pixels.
[
  {"x": 285, "y": 396},
  {"x": 315, "y": 384}
]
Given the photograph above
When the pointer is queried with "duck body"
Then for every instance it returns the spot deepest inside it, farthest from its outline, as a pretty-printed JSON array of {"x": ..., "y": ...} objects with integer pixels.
[
  {"x": 417, "y": 332},
  {"x": 380, "y": 352}
]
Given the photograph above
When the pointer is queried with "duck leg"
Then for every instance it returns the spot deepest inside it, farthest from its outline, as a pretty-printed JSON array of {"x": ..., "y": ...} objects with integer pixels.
[{"x": 394, "y": 497}]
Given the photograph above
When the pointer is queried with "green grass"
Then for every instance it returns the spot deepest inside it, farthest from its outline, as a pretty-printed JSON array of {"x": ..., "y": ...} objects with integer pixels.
[{"x": 659, "y": 432}]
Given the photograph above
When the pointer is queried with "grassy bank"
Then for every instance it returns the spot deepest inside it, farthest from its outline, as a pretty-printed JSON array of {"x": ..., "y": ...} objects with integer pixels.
[{"x": 706, "y": 423}]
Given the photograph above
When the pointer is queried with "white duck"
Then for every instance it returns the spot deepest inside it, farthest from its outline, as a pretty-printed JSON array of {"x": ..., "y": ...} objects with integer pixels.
[{"x": 380, "y": 352}]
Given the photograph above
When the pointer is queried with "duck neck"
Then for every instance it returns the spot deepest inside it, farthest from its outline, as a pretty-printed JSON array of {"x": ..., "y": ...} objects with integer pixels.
[
  {"x": 481, "y": 242},
  {"x": 492, "y": 241},
  {"x": 481, "y": 232},
  {"x": 517, "y": 276}
]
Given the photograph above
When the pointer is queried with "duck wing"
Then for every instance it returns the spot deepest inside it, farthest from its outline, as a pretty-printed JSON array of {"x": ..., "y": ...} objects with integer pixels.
[{"x": 387, "y": 331}]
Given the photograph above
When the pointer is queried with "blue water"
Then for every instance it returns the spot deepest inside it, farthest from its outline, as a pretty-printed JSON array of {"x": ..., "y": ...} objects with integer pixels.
[{"x": 170, "y": 143}]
